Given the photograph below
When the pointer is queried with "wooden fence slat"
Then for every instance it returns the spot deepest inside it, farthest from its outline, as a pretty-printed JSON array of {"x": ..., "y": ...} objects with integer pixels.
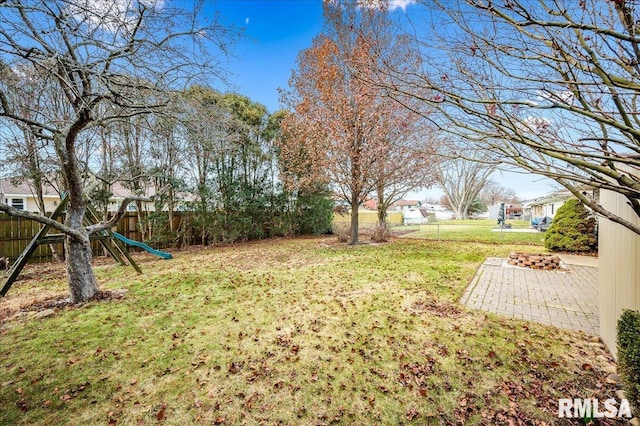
[{"x": 16, "y": 233}]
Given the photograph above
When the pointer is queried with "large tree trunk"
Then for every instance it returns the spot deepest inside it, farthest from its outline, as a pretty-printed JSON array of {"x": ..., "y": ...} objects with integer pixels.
[
  {"x": 83, "y": 284},
  {"x": 382, "y": 206},
  {"x": 354, "y": 219},
  {"x": 462, "y": 212}
]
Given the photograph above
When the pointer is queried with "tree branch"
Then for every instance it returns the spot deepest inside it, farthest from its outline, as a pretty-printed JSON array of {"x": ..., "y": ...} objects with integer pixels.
[{"x": 73, "y": 233}]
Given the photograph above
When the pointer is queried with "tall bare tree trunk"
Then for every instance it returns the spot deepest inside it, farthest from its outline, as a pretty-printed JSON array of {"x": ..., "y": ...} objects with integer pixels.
[
  {"x": 354, "y": 219},
  {"x": 83, "y": 284},
  {"x": 382, "y": 206}
]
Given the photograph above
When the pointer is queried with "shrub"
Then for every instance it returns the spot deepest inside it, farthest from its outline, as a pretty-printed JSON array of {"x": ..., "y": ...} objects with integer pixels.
[
  {"x": 629, "y": 356},
  {"x": 573, "y": 229},
  {"x": 315, "y": 214},
  {"x": 380, "y": 233},
  {"x": 342, "y": 233}
]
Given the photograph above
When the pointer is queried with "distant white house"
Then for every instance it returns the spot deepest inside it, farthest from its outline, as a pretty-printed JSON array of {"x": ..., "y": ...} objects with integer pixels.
[
  {"x": 404, "y": 205},
  {"x": 441, "y": 212},
  {"x": 417, "y": 216}
]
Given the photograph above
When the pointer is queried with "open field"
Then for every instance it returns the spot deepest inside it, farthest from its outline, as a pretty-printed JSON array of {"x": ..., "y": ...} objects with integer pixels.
[
  {"x": 301, "y": 331},
  {"x": 481, "y": 230}
]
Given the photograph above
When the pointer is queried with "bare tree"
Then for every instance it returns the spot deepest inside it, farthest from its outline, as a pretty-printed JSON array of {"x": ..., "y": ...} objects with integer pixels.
[
  {"x": 493, "y": 193},
  {"x": 409, "y": 160},
  {"x": 462, "y": 181},
  {"x": 89, "y": 54},
  {"x": 333, "y": 135},
  {"x": 547, "y": 86},
  {"x": 28, "y": 158},
  {"x": 344, "y": 129}
]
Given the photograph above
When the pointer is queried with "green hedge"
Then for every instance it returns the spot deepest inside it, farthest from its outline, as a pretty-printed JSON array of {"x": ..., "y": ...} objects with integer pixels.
[
  {"x": 629, "y": 356},
  {"x": 573, "y": 229}
]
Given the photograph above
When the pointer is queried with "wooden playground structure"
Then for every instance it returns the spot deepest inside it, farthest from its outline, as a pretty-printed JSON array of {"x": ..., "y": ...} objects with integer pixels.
[{"x": 113, "y": 243}]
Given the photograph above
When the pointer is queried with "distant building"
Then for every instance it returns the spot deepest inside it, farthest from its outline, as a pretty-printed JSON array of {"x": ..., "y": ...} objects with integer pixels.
[
  {"x": 404, "y": 205},
  {"x": 22, "y": 197},
  {"x": 511, "y": 211},
  {"x": 417, "y": 216},
  {"x": 441, "y": 212},
  {"x": 370, "y": 204},
  {"x": 547, "y": 205}
]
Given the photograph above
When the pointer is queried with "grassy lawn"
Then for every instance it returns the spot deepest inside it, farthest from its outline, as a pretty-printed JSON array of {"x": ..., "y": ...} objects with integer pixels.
[
  {"x": 482, "y": 230},
  {"x": 301, "y": 331}
]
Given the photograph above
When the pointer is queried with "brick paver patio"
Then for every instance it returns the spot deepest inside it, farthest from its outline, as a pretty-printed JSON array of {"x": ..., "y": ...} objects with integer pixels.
[{"x": 565, "y": 299}]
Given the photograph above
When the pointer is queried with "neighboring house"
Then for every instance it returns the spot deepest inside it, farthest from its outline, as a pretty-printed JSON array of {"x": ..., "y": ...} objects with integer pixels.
[
  {"x": 404, "y": 205},
  {"x": 21, "y": 197},
  {"x": 547, "y": 205},
  {"x": 417, "y": 216},
  {"x": 370, "y": 204},
  {"x": 441, "y": 212},
  {"x": 511, "y": 211},
  {"x": 119, "y": 193}
]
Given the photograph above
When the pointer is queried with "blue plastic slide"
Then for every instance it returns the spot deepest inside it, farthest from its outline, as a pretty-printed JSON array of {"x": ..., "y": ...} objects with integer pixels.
[{"x": 143, "y": 246}]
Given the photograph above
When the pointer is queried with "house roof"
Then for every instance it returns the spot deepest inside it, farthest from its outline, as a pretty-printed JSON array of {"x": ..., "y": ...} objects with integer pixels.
[
  {"x": 400, "y": 203},
  {"x": 9, "y": 187},
  {"x": 550, "y": 198}
]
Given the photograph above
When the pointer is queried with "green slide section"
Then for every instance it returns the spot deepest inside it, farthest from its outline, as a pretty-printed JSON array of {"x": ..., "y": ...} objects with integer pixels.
[{"x": 143, "y": 246}]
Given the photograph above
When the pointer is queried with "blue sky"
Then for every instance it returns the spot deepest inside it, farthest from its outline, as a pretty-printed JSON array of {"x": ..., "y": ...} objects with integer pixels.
[{"x": 275, "y": 31}]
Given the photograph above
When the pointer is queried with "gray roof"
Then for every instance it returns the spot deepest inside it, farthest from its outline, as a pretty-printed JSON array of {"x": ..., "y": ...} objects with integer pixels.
[{"x": 11, "y": 188}]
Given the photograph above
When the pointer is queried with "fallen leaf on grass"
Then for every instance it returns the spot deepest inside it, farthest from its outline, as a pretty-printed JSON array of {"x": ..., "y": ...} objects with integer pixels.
[
  {"x": 161, "y": 413},
  {"x": 412, "y": 414}
]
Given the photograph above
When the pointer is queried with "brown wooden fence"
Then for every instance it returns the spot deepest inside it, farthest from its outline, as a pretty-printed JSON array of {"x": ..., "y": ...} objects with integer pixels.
[{"x": 15, "y": 235}]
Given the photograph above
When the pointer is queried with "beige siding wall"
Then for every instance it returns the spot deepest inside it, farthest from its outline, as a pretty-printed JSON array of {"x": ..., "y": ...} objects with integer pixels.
[
  {"x": 618, "y": 251},
  {"x": 50, "y": 204},
  {"x": 30, "y": 204}
]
